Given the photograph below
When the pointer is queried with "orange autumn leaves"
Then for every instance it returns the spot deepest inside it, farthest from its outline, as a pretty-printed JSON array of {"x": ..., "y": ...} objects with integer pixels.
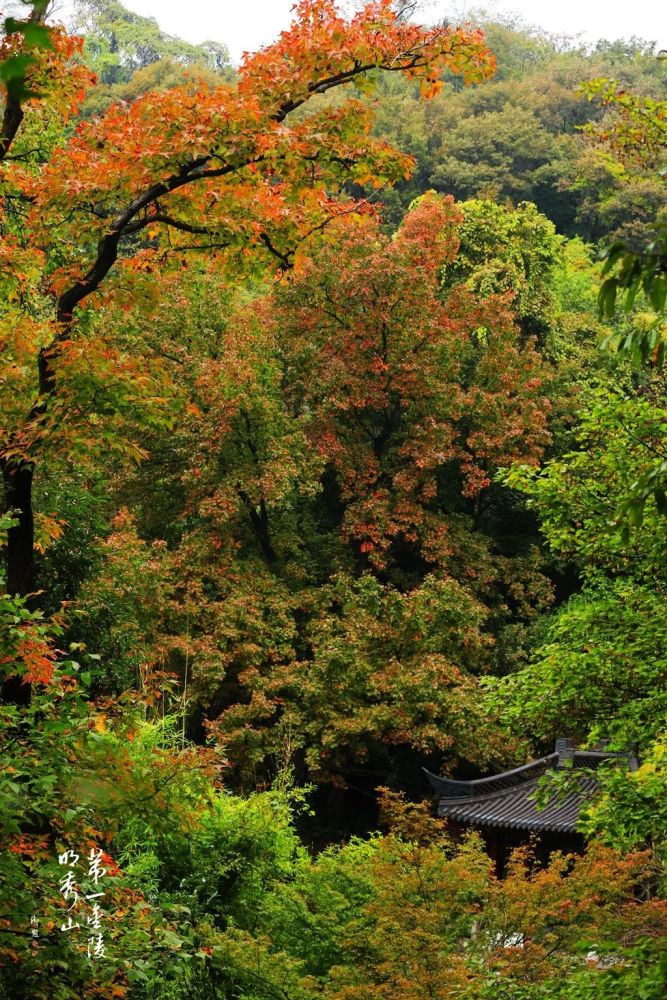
[
  {"x": 228, "y": 170},
  {"x": 360, "y": 363},
  {"x": 233, "y": 162},
  {"x": 356, "y": 414},
  {"x": 442, "y": 926},
  {"x": 405, "y": 385},
  {"x": 32, "y": 656},
  {"x": 54, "y": 73},
  {"x": 323, "y": 45},
  {"x": 363, "y": 368}
]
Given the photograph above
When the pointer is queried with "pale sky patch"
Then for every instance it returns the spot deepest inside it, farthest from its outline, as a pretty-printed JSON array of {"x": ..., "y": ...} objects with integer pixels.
[{"x": 246, "y": 25}]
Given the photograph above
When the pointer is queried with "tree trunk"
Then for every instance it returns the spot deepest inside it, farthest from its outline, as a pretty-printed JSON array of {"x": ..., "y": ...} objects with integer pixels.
[
  {"x": 21, "y": 537},
  {"x": 17, "y": 481}
]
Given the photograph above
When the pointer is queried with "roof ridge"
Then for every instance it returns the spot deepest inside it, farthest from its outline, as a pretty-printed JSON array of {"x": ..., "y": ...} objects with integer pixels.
[{"x": 465, "y": 788}]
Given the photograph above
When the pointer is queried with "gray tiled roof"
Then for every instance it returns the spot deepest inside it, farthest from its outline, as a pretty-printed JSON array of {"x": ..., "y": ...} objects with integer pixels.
[{"x": 506, "y": 800}]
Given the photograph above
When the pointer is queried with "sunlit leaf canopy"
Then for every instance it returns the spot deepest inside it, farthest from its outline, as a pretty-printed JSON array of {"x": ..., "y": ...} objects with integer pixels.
[
  {"x": 318, "y": 470},
  {"x": 234, "y": 163}
]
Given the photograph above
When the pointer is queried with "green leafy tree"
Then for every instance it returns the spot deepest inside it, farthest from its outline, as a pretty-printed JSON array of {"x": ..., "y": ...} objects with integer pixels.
[
  {"x": 120, "y": 42},
  {"x": 509, "y": 251},
  {"x": 601, "y": 664}
]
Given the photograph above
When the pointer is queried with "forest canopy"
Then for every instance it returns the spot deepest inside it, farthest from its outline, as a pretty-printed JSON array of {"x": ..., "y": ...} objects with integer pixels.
[{"x": 333, "y": 440}]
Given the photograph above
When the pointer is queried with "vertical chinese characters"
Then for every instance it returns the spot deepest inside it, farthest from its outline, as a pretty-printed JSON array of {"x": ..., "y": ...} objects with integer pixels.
[
  {"x": 96, "y": 872},
  {"x": 82, "y": 899},
  {"x": 69, "y": 889}
]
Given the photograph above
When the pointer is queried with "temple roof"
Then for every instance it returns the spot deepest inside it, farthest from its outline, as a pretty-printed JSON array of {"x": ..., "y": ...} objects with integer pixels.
[{"x": 506, "y": 800}]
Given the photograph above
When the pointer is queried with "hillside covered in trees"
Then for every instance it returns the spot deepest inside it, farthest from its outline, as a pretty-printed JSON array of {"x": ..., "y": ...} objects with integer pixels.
[{"x": 333, "y": 435}]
